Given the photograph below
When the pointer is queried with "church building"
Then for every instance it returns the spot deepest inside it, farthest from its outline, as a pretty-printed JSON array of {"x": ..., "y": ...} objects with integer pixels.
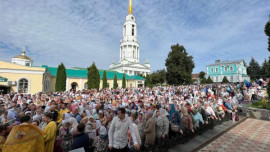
[
  {"x": 129, "y": 62},
  {"x": 21, "y": 76}
]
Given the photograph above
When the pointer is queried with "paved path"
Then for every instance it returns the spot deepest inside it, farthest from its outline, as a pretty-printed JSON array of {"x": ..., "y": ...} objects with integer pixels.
[
  {"x": 250, "y": 136},
  {"x": 201, "y": 139}
]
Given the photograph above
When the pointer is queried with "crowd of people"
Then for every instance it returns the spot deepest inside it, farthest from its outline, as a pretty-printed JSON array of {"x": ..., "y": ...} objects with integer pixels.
[{"x": 127, "y": 119}]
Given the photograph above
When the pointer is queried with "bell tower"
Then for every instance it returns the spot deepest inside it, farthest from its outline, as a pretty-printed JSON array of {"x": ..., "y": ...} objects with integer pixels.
[{"x": 129, "y": 46}]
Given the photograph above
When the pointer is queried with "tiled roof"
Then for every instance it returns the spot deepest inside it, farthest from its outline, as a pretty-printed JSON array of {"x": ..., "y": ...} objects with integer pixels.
[
  {"x": 82, "y": 73},
  {"x": 196, "y": 75}
]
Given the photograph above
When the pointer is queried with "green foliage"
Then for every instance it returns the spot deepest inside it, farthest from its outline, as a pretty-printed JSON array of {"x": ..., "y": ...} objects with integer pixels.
[
  {"x": 262, "y": 104},
  {"x": 265, "y": 69},
  {"x": 148, "y": 82},
  {"x": 225, "y": 80},
  {"x": 61, "y": 76},
  {"x": 201, "y": 75},
  {"x": 203, "y": 81},
  {"x": 209, "y": 80},
  {"x": 104, "y": 80},
  {"x": 267, "y": 32},
  {"x": 158, "y": 77},
  {"x": 179, "y": 66},
  {"x": 254, "y": 69},
  {"x": 93, "y": 77},
  {"x": 115, "y": 85},
  {"x": 124, "y": 81}
]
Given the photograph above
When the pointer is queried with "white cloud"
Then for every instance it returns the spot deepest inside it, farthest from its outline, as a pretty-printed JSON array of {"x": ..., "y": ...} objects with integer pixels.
[{"x": 80, "y": 32}]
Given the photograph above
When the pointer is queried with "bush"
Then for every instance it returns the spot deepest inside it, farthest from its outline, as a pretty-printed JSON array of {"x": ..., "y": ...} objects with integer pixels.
[{"x": 261, "y": 104}]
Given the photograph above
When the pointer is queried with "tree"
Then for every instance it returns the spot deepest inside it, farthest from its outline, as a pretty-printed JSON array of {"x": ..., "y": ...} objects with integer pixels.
[
  {"x": 93, "y": 77},
  {"x": 179, "y": 66},
  {"x": 61, "y": 77},
  {"x": 203, "y": 81},
  {"x": 104, "y": 80},
  {"x": 201, "y": 75},
  {"x": 124, "y": 81},
  {"x": 225, "y": 80},
  {"x": 148, "y": 82},
  {"x": 267, "y": 32},
  {"x": 209, "y": 80},
  {"x": 115, "y": 85},
  {"x": 158, "y": 77},
  {"x": 265, "y": 68},
  {"x": 254, "y": 69}
]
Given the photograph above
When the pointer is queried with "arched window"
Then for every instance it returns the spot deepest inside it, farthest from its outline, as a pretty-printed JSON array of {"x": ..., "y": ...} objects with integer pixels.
[{"x": 23, "y": 86}]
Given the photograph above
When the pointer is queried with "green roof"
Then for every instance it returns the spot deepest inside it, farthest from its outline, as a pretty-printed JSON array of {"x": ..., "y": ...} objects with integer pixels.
[
  {"x": 2, "y": 79},
  {"x": 82, "y": 73}
]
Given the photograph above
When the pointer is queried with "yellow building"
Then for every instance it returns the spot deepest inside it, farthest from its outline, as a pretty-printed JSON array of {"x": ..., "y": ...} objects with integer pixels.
[{"x": 19, "y": 76}]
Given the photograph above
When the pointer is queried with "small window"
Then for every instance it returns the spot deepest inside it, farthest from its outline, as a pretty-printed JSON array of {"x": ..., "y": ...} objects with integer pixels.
[
  {"x": 225, "y": 69},
  {"x": 231, "y": 68},
  {"x": 133, "y": 27},
  {"x": 212, "y": 70},
  {"x": 216, "y": 69},
  {"x": 231, "y": 78}
]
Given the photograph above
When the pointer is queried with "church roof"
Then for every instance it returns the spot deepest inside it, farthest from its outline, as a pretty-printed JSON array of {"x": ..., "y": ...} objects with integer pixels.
[
  {"x": 226, "y": 62},
  {"x": 22, "y": 57},
  {"x": 82, "y": 73}
]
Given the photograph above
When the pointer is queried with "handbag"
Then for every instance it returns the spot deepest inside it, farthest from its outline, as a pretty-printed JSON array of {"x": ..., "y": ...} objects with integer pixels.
[
  {"x": 174, "y": 127},
  {"x": 236, "y": 117}
]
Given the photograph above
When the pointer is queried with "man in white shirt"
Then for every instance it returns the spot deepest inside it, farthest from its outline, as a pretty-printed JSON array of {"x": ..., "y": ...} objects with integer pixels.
[{"x": 118, "y": 133}]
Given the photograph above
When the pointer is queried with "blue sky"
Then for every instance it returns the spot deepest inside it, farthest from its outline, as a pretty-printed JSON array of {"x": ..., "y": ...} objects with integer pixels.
[{"x": 79, "y": 32}]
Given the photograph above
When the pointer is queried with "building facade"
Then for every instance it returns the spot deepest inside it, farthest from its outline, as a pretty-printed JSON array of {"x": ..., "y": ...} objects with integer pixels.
[
  {"x": 235, "y": 71},
  {"x": 129, "y": 62},
  {"x": 24, "y": 78}
]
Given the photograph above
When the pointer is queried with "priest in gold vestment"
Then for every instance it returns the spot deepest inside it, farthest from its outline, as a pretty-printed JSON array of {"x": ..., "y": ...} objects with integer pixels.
[
  {"x": 25, "y": 138},
  {"x": 49, "y": 133}
]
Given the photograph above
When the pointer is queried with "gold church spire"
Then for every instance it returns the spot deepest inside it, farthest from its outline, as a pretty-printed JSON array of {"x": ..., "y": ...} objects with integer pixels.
[{"x": 130, "y": 7}]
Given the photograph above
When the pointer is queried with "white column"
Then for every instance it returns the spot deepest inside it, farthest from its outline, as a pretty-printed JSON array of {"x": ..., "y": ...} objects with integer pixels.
[
  {"x": 120, "y": 53},
  {"x": 80, "y": 84},
  {"x": 67, "y": 84},
  {"x": 138, "y": 53}
]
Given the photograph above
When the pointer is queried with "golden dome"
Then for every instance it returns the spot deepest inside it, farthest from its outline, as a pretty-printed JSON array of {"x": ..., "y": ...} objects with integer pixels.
[{"x": 23, "y": 56}]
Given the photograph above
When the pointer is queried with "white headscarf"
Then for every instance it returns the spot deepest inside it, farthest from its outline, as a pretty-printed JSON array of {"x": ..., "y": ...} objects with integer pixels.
[{"x": 67, "y": 116}]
